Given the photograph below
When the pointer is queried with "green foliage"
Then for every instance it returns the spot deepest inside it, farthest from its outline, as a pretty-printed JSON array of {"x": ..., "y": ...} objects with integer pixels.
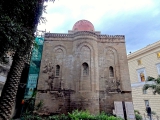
[
  {"x": 75, "y": 115},
  {"x": 137, "y": 115},
  {"x": 30, "y": 116},
  {"x": 101, "y": 116},
  {"x": 18, "y": 22},
  {"x": 58, "y": 117},
  {"x": 29, "y": 104},
  {"x": 28, "y": 113},
  {"x": 85, "y": 115},
  {"x": 136, "y": 112},
  {"x": 29, "y": 107},
  {"x": 155, "y": 86},
  {"x": 39, "y": 105}
]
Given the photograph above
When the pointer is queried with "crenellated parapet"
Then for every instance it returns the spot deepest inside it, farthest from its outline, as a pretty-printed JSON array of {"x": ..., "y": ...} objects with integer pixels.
[
  {"x": 85, "y": 35},
  {"x": 111, "y": 36},
  {"x": 57, "y": 35}
]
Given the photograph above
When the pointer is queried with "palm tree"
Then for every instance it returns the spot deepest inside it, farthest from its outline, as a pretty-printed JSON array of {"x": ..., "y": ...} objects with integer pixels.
[
  {"x": 19, "y": 20},
  {"x": 23, "y": 17},
  {"x": 11, "y": 86},
  {"x": 155, "y": 85}
]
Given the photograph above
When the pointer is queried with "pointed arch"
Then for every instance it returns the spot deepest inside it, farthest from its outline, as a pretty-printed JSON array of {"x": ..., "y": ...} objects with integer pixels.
[
  {"x": 80, "y": 46},
  {"x": 114, "y": 53},
  {"x": 60, "y": 48}
]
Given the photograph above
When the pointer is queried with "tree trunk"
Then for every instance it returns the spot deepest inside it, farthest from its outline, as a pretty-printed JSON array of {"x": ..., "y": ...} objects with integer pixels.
[{"x": 11, "y": 86}]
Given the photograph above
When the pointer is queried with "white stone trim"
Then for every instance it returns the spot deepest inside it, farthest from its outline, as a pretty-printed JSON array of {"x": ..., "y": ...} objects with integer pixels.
[
  {"x": 158, "y": 68},
  {"x": 144, "y": 50},
  {"x": 139, "y": 71},
  {"x": 140, "y": 84}
]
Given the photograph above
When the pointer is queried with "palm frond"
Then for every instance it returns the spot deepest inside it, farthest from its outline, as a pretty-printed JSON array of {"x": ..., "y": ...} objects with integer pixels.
[
  {"x": 155, "y": 85},
  {"x": 158, "y": 80},
  {"x": 157, "y": 88},
  {"x": 146, "y": 86},
  {"x": 150, "y": 78}
]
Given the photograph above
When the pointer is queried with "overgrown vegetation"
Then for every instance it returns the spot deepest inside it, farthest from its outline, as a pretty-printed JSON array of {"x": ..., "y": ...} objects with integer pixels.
[
  {"x": 138, "y": 115},
  {"x": 31, "y": 112},
  {"x": 75, "y": 115}
]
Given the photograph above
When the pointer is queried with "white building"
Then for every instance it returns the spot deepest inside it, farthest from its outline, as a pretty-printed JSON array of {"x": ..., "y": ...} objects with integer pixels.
[{"x": 143, "y": 63}]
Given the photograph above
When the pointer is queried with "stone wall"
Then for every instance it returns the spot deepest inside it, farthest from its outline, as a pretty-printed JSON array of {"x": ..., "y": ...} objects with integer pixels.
[{"x": 75, "y": 72}]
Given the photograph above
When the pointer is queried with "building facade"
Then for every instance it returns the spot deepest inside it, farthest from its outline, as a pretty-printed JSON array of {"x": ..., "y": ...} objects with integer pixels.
[
  {"x": 83, "y": 69},
  {"x": 143, "y": 63}
]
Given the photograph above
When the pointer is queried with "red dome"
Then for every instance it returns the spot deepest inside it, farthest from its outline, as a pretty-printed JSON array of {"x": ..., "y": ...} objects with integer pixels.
[{"x": 83, "y": 25}]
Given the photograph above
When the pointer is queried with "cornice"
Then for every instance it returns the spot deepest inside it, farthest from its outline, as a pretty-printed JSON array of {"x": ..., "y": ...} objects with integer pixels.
[
  {"x": 141, "y": 84},
  {"x": 84, "y": 34},
  {"x": 58, "y": 35},
  {"x": 111, "y": 36},
  {"x": 144, "y": 50}
]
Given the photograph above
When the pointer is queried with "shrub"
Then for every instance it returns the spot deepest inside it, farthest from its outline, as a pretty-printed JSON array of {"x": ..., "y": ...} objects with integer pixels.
[
  {"x": 138, "y": 117},
  {"x": 85, "y": 115},
  {"x": 58, "y": 117},
  {"x": 75, "y": 115}
]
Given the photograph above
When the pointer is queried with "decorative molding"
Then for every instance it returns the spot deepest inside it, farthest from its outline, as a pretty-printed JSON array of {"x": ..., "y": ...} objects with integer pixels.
[
  {"x": 140, "y": 84},
  {"x": 64, "y": 50},
  {"x": 144, "y": 50},
  {"x": 80, "y": 45},
  {"x": 139, "y": 71},
  {"x": 88, "y": 34},
  {"x": 158, "y": 68}
]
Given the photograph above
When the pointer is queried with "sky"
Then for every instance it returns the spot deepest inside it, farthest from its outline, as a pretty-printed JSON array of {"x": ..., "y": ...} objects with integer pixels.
[{"x": 138, "y": 20}]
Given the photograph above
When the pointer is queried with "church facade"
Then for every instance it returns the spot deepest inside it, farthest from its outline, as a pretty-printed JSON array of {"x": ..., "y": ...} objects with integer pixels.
[{"x": 84, "y": 70}]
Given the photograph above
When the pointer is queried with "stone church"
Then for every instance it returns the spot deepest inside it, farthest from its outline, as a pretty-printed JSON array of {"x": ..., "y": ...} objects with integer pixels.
[{"x": 84, "y": 70}]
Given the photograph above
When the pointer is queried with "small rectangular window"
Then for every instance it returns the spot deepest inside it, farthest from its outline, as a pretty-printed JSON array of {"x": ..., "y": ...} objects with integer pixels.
[
  {"x": 85, "y": 69},
  {"x": 139, "y": 62},
  {"x": 146, "y": 102},
  {"x": 158, "y": 55},
  {"x": 144, "y": 91},
  {"x": 57, "y": 70},
  {"x": 158, "y": 68},
  {"x": 111, "y": 71},
  {"x": 141, "y": 75}
]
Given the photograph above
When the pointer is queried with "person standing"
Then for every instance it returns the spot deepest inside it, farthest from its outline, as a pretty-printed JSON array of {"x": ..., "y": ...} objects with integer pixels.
[{"x": 148, "y": 109}]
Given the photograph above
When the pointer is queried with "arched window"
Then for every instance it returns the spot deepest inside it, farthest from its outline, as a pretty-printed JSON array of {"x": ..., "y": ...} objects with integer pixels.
[
  {"x": 57, "y": 70},
  {"x": 111, "y": 71},
  {"x": 85, "y": 69}
]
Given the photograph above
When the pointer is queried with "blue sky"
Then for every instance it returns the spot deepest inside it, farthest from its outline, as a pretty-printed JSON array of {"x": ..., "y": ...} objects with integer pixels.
[{"x": 138, "y": 20}]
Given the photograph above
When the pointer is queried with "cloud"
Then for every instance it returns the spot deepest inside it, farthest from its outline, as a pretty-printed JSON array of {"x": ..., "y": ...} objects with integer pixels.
[
  {"x": 138, "y": 20},
  {"x": 140, "y": 28}
]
